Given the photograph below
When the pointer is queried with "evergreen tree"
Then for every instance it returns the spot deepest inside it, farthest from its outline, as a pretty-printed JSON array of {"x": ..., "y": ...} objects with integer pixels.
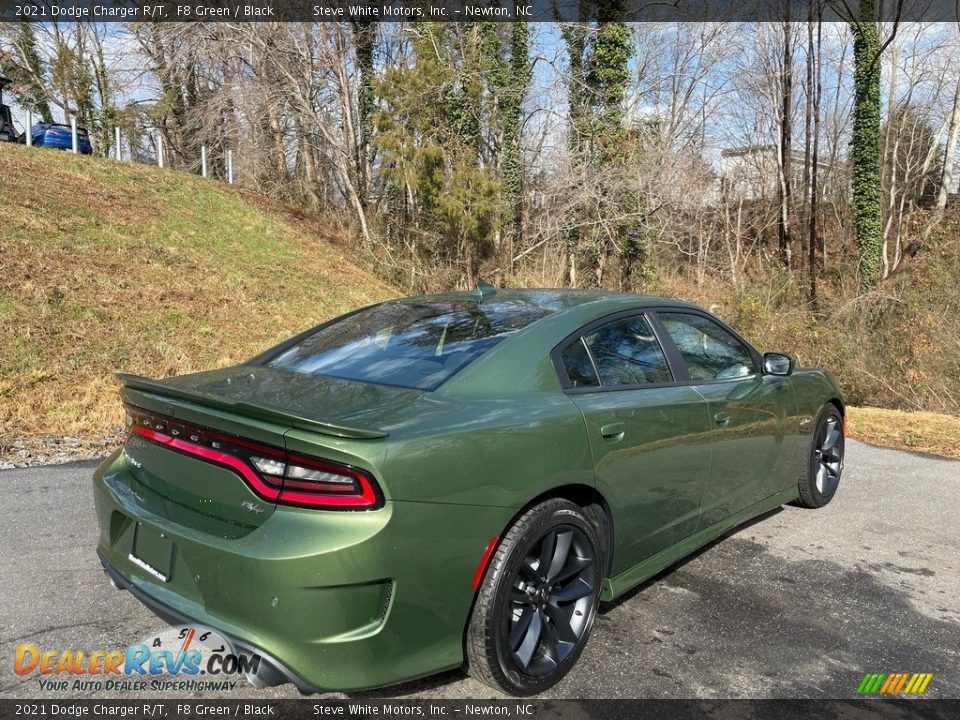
[{"x": 430, "y": 135}]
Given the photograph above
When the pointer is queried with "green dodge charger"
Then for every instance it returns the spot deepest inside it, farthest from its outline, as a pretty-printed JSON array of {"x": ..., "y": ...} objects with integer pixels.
[{"x": 453, "y": 480}]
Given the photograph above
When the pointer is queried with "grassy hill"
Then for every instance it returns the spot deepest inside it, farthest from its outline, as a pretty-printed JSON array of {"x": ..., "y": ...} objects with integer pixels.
[{"x": 107, "y": 266}]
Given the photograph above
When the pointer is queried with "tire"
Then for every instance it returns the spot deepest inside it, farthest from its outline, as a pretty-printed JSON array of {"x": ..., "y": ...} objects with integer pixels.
[
  {"x": 527, "y": 628},
  {"x": 821, "y": 474}
]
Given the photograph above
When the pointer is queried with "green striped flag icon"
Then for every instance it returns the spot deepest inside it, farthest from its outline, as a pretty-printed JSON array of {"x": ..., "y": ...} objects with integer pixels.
[{"x": 871, "y": 683}]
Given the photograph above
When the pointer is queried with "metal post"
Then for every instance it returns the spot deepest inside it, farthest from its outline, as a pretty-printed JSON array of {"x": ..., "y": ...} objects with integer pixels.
[
  {"x": 203, "y": 160},
  {"x": 116, "y": 135},
  {"x": 29, "y": 128},
  {"x": 73, "y": 134},
  {"x": 159, "y": 150},
  {"x": 230, "y": 166}
]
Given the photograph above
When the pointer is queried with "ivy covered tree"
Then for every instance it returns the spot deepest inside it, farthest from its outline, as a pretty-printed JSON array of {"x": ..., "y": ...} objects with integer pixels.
[
  {"x": 509, "y": 79},
  {"x": 603, "y": 221},
  {"x": 865, "y": 156},
  {"x": 365, "y": 35}
]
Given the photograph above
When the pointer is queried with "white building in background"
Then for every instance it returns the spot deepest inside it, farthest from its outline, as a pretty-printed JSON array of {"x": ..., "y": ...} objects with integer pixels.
[
  {"x": 750, "y": 173},
  {"x": 954, "y": 189}
]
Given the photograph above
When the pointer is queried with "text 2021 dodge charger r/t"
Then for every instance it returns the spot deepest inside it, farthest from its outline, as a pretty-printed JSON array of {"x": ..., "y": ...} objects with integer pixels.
[{"x": 453, "y": 479}]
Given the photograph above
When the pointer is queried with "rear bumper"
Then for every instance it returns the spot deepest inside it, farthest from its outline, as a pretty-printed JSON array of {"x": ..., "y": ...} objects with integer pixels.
[
  {"x": 58, "y": 142},
  {"x": 332, "y": 600},
  {"x": 275, "y": 674}
]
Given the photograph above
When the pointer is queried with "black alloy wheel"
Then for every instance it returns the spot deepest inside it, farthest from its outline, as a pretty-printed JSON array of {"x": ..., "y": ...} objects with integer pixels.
[
  {"x": 821, "y": 478},
  {"x": 551, "y": 601},
  {"x": 538, "y": 599}
]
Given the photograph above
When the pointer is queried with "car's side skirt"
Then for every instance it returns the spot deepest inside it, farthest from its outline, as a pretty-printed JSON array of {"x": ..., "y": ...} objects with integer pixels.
[{"x": 612, "y": 587}]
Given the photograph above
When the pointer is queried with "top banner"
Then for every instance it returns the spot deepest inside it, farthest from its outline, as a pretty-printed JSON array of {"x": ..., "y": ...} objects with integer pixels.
[{"x": 374, "y": 11}]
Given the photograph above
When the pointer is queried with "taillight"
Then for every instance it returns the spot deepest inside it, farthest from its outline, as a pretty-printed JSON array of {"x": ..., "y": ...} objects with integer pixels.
[
  {"x": 314, "y": 482},
  {"x": 272, "y": 472}
]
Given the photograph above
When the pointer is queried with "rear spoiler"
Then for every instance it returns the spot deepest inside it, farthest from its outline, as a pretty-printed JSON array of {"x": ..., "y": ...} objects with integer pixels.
[{"x": 261, "y": 412}]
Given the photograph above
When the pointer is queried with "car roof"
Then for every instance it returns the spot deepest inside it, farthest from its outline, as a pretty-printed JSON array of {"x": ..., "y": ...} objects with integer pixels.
[
  {"x": 556, "y": 299},
  {"x": 59, "y": 125}
]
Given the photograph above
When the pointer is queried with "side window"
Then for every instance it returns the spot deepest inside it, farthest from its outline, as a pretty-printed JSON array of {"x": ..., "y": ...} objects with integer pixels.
[
  {"x": 626, "y": 352},
  {"x": 579, "y": 366},
  {"x": 710, "y": 352}
]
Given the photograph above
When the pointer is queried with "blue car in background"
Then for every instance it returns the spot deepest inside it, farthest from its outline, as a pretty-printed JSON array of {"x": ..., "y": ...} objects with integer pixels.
[{"x": 55, "y": 135}]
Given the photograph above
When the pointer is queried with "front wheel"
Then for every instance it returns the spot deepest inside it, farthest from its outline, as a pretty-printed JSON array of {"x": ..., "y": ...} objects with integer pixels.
[
  {"x": 538, "y": 600},
  {"x": 821, "y": 477}
]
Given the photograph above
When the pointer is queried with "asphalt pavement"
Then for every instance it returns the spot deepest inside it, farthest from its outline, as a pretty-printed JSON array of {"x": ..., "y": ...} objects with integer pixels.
[{"x": 800, "y": 603}]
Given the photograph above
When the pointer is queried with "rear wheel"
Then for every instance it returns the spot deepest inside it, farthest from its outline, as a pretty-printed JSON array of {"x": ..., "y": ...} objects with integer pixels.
[
  {"x": 538, "y": 600},
  {"x": 820, "y": 480}
]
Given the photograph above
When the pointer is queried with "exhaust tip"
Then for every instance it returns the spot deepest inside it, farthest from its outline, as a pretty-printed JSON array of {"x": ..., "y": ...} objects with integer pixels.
[{"x": 266, "y": 675}]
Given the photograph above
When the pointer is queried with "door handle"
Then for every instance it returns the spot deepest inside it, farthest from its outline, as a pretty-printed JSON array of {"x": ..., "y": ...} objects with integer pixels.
[
  {"x": 721, "y": 418},
  {"x": 613, "y": 431}
]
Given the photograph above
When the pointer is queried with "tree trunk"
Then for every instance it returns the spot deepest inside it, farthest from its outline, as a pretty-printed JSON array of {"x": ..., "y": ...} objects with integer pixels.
[
  {"x": 814, "y": 240},
  {"x": 364, "y": 33},
  {"x": 865, "y": 156},
  {"x": 950, "y": 155},
  {"x": 891, "y": 152},
  {"x": 309, "y": 167},
  {"x": 786, "y": 144},
  {"x": 808, "y": 120},
  {"x": 276, "y": 135},
  {"x": 512, "y": 170}
]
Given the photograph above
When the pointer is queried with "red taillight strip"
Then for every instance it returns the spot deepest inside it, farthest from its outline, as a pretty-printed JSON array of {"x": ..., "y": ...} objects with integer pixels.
[
  {"x": 211, "y": 455},
  {"x": 484, "y": 561},
  {"x": 367, "y": 498}
]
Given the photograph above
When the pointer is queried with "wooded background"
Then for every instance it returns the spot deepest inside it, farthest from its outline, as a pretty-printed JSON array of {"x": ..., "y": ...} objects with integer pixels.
[{"x": 797, "y": 177}]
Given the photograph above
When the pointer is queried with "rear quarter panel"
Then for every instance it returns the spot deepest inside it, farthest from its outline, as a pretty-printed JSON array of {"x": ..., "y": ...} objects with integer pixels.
[{"x": 499, "y": 452}]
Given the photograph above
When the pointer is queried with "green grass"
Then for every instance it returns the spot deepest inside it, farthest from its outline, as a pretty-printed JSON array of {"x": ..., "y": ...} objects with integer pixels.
[
  {"x": 108, "y": 267},
  {"x": 918, "y": 431}
]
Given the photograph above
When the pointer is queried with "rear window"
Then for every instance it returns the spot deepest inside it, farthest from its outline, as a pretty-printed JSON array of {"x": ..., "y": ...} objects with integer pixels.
[{"x": 408, "y": 344}]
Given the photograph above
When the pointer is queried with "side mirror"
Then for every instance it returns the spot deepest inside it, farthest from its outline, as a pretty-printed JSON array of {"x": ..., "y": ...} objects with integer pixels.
[{"x": 777, "y": 364}]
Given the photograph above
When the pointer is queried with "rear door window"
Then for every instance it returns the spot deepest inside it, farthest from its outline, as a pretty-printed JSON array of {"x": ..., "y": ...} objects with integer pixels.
[
  {"x": 579, "y": 365},
  {"x": 627, "y": 352},
  {"x": 623, "y": 352}
]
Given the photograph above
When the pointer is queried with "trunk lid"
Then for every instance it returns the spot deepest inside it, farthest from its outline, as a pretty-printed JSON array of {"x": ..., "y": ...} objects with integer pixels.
[
  {"x": 248, "y": 403},
  {"x": 318, "y": 403}
]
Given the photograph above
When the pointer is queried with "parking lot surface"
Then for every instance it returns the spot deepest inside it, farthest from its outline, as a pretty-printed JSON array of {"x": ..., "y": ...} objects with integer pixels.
[{"x": 800, "y": 603}]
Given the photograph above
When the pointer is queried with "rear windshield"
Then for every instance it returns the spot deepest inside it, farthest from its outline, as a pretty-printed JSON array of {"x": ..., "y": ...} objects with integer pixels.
[{"x": 408, "y": 344}]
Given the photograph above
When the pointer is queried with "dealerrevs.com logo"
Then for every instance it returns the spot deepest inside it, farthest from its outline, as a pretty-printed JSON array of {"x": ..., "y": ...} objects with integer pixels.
[{"x": 180, "y": 658}]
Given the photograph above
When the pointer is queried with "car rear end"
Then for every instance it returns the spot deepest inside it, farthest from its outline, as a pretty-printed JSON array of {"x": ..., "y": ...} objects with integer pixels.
[
  {"x": 283, "y": 504},
  {"x": 60, "y": 137},
  {"x": 209, "y": 517},
  {"x": 288, "y": 542}
]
